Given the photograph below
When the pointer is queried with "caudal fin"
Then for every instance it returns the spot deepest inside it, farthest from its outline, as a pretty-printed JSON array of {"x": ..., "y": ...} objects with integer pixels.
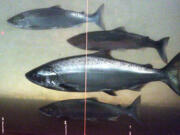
[
  {"x": 98, "y": 17},
  {"x": 132, "y": 109},
  {"x": 172, "y": 71},
  {"x": 160, "y": 46}
]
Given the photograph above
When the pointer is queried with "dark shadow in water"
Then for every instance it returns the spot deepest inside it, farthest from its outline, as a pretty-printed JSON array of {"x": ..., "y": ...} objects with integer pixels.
[{"x": 22, "y": 117}]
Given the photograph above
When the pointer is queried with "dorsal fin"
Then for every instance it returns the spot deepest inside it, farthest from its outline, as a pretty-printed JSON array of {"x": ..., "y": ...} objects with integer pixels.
[
  {"x": 92, "y": 99},
  {"x": 104, "y": 54},
  {"x": 56, "y": 7},
  {"x": 119, "y": 29}
]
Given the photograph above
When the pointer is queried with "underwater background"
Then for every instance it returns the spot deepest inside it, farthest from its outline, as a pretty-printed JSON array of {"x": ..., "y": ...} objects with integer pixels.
[{"x": 22, "y": 50}]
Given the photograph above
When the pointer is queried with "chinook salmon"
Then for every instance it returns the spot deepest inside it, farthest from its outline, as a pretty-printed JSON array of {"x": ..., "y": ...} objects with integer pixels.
[
  {"x": 118, "y": 38},
  {"x": 104, "y": 73},
  {"x": 54, "y": 17},
  {"x": 74, "y": 109}
]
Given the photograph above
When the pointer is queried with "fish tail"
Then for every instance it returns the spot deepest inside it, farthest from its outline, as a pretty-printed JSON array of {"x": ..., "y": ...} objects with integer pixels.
[
  {"x": 172, "y": 71},
  {"x": 132, "y": 109},
  {"x": 98, "y": 17},
  {"x": 160, "y": 46}
]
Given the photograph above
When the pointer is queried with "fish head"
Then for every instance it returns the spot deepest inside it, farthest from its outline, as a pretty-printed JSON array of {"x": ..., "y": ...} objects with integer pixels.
[
  {"x": 78, "y": 41},
  {"x": 43, "y": 76},
  {"x": 51, "y": 110},
  {"x": 19, "y": 21}
]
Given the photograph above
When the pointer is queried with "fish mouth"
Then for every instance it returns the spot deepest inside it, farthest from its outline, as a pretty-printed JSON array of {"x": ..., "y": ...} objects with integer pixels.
[
  {"x": 36, "y": 80},
  {"x": 73, "y": 42},
  {"x": 70, "y": 41},
  {"x": 29, "y": 76},
  {"x": 10, "y": 22}
]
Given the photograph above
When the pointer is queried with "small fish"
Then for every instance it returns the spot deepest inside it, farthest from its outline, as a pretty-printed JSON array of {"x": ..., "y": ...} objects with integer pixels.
[
  {"x": 74, "y": 109},
  {"x": 118, "y": 38},
  {"x": 54, "y": 17},
  {"x": 104, "y": 73}
]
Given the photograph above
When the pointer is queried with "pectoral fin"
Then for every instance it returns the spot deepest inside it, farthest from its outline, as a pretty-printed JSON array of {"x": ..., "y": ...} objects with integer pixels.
[
  {"x": 69, "y": 87},
  {"x": 112, "y": 93}
]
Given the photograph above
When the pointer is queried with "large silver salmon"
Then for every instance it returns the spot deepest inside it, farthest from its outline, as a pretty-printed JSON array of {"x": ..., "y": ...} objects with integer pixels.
[{"x": 103, "y": 74}]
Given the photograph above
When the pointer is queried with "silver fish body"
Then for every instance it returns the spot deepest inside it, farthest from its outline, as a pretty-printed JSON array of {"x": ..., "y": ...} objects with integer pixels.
[
  {"x": 74, "y": 109},
  {"x": 118, "y": 38},
  {"x": 54, "y": 17},
  {"x": 103, "y": 74}
]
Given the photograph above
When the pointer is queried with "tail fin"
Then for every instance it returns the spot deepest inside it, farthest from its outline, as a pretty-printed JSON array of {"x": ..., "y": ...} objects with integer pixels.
[
  {"x": 98, "y": 17},
  {"x": 132, "y": 109},
  {"x": 161, "y": 48},
  {"x": 172, "y": 71}
]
